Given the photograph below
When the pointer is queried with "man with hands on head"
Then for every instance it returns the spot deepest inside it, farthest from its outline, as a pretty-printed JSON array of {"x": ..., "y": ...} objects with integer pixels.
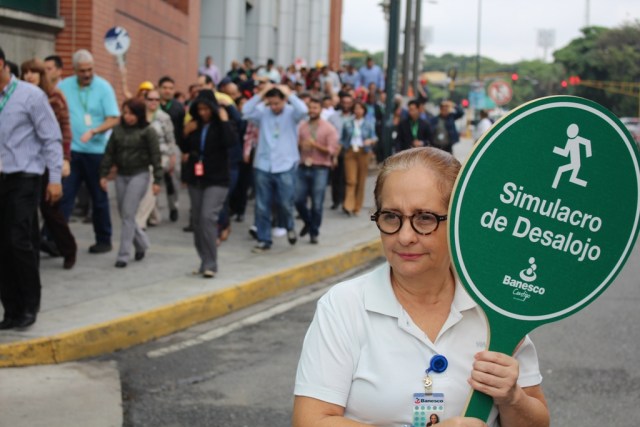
[{"x": 276, "y": 158}]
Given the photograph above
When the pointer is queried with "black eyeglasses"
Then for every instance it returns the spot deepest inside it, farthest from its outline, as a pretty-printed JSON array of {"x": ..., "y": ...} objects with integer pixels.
[
  {"x": 423, "y": 223},
  {"x": 153, "y": 99}
]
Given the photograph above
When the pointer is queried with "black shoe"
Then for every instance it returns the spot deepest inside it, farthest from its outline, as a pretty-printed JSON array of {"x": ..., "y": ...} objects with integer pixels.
[
  {"x": 25, "y": 321},
  {"x": 239, "y": 218},
  {"x": 50, "y": 248},
  {"x": 139, "y": 255},
  {"x": 188, "y": 229},
  {"x": 7, "y": 323},
  {"x": 69, "y": 262},
  {"x": 348, "y": 213},
  {"x": 314, "y": 240},
  {"x": 261, "y": 247},
  {"x": 291, "y": 237},
  {"x": 304, "y": 231},
  {"x": 120, "y": 264},
  {"x": 173, "y": 215},
  {"x": 334, "y": 206},
  {"x": 253, "y": 232},
  {"x": 100, "y": 248}
]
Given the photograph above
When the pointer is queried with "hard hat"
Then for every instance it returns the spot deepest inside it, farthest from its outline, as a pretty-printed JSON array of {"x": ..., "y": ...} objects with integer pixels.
[
  {"x": 146, "y": 85},
  {"x": 319, "y": 64}
]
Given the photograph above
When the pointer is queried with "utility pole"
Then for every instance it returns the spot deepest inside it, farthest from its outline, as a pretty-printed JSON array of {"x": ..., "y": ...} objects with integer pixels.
[
  {"x": 407, "y": 47},
  {"x": 417, "y": 49},
  {"x": 392, "y": 74},
  {"x": 478, "y": 41}
]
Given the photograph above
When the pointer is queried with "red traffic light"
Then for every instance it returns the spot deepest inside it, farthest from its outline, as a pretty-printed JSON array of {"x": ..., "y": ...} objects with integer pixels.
[
  {"x": 514, "y": 77},
  {"x": 574, "y": 80},
  {"x": 564, "y": 84},
  {"x": 465, "y": 103}
]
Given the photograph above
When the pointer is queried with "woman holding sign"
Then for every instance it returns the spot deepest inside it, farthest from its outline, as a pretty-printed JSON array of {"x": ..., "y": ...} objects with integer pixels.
[{"x": 405, "y": 341}]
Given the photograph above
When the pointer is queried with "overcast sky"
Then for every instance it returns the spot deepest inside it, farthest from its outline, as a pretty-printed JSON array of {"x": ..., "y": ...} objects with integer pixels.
[{"x": 509, "y": 28}]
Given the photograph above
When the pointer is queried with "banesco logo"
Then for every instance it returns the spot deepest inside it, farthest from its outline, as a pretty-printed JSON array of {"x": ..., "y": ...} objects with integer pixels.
[{"x": 524, "y": 287}]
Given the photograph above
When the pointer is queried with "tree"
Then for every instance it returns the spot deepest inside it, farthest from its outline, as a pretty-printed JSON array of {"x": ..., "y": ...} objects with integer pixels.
[{"x": 606, "y": 55}]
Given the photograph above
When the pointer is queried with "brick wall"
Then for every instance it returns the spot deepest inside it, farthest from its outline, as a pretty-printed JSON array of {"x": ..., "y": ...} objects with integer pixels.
[{"x": 164, "y": 39}]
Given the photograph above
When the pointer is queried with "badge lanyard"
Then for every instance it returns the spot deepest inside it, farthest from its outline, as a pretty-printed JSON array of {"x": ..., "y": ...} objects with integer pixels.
[
  {"x": 85, "y": 104},
  {"x": 10, "y": 91},
  {"x": 203, "y": 140},
  {"x": 414, "y": 130},
  {"x": 438, "y": 364}
]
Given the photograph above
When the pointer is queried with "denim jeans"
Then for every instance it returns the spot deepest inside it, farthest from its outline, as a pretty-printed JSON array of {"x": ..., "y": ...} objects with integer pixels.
[
  {"x": 311, "y": 183},
  {"x": 86, "y": 167},
  {"x": 278, "y": 188}
]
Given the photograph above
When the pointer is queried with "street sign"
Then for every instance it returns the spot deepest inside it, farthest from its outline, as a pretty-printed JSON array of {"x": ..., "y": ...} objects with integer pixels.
[
  {"x": 117, "y": 42},
  {"x": 500, "y": 92},
  {"x": 544, "y": 214}
]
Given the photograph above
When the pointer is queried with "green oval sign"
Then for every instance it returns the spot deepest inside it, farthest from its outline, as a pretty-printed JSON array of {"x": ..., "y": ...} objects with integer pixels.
[{"x": 544, "y": 214}]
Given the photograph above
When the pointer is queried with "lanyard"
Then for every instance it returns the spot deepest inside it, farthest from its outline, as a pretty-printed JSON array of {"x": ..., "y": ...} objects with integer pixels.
[
  {"x": 437, "y": 364},
  {"x": 85, "y": 104},
  {"x": 203, "y": 139},
  {"x": 10, "y": 91},
  {"x": 167, "y": 106},
  {"x": 414, "y": 130}
]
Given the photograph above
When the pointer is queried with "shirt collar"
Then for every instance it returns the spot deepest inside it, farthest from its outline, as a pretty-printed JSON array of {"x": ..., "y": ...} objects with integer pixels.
[
  {"x": 380, "y": 298},
  {"x": 6, "y": 88}
]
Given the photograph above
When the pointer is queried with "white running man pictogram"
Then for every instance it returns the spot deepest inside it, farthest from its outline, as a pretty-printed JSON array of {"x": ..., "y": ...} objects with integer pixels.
[{"x": 572, "y": 150}]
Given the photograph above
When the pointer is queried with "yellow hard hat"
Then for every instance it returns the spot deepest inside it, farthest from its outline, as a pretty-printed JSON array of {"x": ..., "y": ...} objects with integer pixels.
[
  {"x": 319, "y": 64},
  {"x": 146, "y": 85}
]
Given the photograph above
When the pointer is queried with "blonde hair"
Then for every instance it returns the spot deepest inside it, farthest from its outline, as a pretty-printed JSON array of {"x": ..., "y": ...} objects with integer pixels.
[{"x": 443, "y": 164}]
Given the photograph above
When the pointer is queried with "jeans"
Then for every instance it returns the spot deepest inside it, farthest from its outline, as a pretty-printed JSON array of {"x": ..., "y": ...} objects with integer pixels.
[
  {"x": 312, "y": 182},
  {"x": 86, "y": 167},
  {"x": 270, "y": 188}
]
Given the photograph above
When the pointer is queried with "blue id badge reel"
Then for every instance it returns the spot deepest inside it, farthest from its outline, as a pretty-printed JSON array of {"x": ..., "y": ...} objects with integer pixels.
[{"x": 428, "y": 407}]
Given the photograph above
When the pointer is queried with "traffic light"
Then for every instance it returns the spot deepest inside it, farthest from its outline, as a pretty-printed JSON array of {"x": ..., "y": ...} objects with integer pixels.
[
  {"x": 574, "y": 80},
  {"x": 564, "y": 84},
  {"x": 465, "y": 103},
  {"x": 514, "y": 77}
]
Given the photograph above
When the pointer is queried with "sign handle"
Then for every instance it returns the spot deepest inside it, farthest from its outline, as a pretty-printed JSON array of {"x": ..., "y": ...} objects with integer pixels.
[
  {"x": 504, "y": 338},
  {"x": 120, "y": 59}
]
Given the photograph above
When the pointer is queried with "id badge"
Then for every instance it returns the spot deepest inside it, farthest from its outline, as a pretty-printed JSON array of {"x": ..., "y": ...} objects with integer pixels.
[
  {"x": 427, "y": 408},
  {"x": 87, "y": 120},
  {"x": 198, "y": 169}
]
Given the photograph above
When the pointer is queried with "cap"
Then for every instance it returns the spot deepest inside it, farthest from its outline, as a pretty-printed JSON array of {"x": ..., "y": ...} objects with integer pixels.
[
  {"x": 225, "y": 81},
  {"x": 146, "y": 85}
]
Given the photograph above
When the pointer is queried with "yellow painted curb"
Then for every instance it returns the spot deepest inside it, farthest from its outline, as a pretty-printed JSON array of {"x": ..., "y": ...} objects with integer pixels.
[{"x": 135, "y": 329}]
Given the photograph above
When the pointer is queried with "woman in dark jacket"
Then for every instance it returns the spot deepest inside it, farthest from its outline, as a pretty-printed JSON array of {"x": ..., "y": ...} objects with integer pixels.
[
  {"x": 132, "y": 148},
  {"x": 207, "y": 175}
]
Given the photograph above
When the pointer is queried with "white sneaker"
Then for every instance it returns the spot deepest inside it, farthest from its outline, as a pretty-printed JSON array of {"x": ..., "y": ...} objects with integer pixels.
[{"x": 278, "y": 232}]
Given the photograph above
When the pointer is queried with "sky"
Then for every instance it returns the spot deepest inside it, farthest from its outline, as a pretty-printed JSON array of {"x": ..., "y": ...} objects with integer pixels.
[{"x": 509, "y": 28}]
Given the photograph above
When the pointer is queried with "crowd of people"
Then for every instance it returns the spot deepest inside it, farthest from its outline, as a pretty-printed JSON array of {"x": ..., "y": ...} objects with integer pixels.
[{"x": 279, "y": 135}]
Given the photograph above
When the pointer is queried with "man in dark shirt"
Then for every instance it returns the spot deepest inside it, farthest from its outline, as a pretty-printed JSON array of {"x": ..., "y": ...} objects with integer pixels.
[{"x": 414, "y": 131}]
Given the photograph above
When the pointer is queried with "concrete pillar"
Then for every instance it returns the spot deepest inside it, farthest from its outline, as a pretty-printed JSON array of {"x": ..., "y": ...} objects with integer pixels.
[
  {"x": 260, "y": 31},
  {"x": 285, "y": 29},
  {"x": 301, "y": 35},
  {"x": 335, "y": 32},
  {"x": 315, "y": 33},
  {"x": 325, "y": 18},
  {"x": 222, "y": 33}
]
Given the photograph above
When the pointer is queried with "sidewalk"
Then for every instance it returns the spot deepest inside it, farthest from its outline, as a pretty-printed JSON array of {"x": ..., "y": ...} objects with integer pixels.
[{"x": 95, "y": 308}]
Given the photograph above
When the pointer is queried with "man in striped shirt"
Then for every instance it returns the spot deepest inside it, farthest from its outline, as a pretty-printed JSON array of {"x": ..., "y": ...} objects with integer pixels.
[{"x": 30, "y": 140}]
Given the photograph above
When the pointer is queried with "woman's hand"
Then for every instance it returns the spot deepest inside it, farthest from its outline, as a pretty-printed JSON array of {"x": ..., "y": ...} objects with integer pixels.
[
  {"x": 155, "y": 188},
  {"x": 103, "y": 184},
  {"x": 496, "y": 375},
  {"x": 66, "y": 168},
  {"x": 222, "y": 113}
]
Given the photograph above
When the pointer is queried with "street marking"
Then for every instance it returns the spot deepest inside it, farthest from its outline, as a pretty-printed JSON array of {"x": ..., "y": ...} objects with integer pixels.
[{"x": 247, "y": 321}]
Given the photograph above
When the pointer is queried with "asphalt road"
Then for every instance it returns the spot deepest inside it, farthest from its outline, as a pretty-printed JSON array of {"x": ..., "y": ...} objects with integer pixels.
[{"x": 245, "y": 376}]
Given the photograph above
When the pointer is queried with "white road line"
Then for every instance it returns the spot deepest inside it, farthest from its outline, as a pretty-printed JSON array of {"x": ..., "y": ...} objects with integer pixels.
[{"x": 247, "y": 321}]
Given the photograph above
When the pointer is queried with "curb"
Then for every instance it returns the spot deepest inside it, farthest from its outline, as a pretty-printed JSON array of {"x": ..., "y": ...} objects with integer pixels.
[{"x": 107, "y": 337}]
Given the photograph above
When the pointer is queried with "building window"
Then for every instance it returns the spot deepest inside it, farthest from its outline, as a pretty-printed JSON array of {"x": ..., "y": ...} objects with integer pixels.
[{"x": 47, "y": 8}]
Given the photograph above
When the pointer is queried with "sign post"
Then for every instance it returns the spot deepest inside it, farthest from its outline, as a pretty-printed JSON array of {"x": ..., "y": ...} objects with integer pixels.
[
  {"x": 544, "y": 214},
  {"x": 117, "y": 42}
]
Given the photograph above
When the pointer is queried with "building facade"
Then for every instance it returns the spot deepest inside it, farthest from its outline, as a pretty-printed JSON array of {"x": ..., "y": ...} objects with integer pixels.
[{"x": 284, "y": 30}]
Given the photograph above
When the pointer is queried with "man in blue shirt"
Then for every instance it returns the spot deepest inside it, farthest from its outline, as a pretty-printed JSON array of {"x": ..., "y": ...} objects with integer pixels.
[
  {"x": 93, "y": 110},
  {"x": 276, "y": 157},
  {"x": 371, "y": 73},
  {"x": 30, "y": 140}
]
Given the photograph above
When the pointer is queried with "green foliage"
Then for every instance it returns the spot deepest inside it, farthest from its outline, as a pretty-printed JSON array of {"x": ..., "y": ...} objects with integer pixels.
[{"x": 606, "y": 55}]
